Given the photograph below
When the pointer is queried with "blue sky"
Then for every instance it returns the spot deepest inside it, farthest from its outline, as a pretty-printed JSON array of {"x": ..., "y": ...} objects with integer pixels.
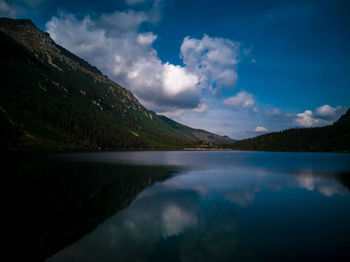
[{"x": 237, "y": 68}]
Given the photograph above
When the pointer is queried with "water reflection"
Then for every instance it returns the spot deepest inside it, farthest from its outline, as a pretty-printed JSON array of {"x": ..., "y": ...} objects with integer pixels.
[
  {"x": 197, "y": 216},
  {"x": 187, "y": 206},
  {"x": 223, "y": 212},
  {"x": 52, "y": 204},
  {"x": 325, "y": 183}
]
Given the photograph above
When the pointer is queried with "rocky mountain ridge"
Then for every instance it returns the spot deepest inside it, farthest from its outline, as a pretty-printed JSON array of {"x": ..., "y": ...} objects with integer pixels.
[
  {"x": 46, "y": 50},
  {"x": 56, "y": 100}
]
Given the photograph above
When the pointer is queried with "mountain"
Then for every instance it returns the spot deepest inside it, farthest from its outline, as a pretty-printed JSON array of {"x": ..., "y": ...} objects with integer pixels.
[
  {"x": 193, "y": 134},
  {"x": 332, "y": 138},
  {"x": 52, "y": 99}
]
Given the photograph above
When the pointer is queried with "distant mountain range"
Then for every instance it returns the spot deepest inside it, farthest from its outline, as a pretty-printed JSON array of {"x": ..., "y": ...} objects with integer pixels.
[
  {"x": 332, "y": 138},
  {"x": 51, "y": 99}
]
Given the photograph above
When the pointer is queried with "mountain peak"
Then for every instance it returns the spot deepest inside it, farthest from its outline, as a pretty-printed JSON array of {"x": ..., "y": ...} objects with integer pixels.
[
  {"x": 44, "y": 47},
  {"x": 16, "y": 22},
  {"x": 25, "y": 32}
]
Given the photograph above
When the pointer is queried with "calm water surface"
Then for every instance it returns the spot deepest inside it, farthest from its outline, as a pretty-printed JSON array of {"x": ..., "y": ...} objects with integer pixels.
[{"x": 180, "y": 206}]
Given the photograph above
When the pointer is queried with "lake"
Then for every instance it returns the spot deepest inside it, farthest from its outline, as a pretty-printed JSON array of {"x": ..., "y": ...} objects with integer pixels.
[{"x": 177, "y": 206}]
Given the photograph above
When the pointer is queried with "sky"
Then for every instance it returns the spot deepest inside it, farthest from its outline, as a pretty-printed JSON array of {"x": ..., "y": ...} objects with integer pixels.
[{"x": 239, "y": 68}]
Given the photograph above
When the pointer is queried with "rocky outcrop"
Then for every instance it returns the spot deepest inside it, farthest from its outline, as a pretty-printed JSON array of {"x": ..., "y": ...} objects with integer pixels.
[{"x": 46, "y": 50}]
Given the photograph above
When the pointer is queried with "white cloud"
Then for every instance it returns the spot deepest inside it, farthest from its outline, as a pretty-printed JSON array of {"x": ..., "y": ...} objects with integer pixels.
[
  {"x": 128, "y": 57},
  {"x": 114, "y": 44},
  {"x": 328, "y": 112},
  {"x": 177, "y": 80},
  {"x": 202, "y": 108},
  {"x": 175, "y": 220},
  {"x": 329, "y": 190},
  {"x": 146, "y": 38},
  {"x": 243, "y": 198},
  {"x": 242, "y": 100},
  {"x": 306, "y": 181},
  {"x": 326, "y": 187},
  {"x": 214, "y": 60},
  {"x": 260, "y": 129},
  {"x": 323, "y": 115},
  {"x": 121, "y": 22},
  {"x": 306, "y": 119}
]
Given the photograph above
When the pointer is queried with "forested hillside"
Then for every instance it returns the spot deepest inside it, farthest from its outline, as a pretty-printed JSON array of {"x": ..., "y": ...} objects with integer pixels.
[
  {"x": 332, "y": 138},
  {"x": 52, "y": 99}
]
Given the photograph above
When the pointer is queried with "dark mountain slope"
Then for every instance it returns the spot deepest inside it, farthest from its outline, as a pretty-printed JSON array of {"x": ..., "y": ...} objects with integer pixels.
[
  {"x": 332, "y": 138},
  {"x": 52, "y": 99},
  {"x": 200, "y": 134}
]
